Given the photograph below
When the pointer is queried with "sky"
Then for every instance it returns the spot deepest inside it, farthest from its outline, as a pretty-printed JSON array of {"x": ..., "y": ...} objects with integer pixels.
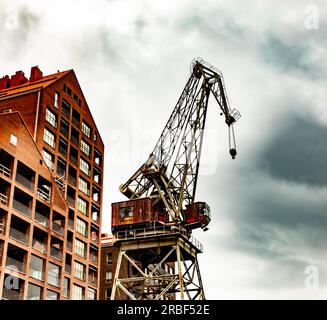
[{"x": 267, "y": 238}]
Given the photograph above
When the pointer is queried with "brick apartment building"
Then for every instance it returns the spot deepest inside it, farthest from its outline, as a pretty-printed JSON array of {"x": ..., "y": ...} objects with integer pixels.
[
  {"x": 109, "y": 255},
  {"x": 51, "y": 178}
]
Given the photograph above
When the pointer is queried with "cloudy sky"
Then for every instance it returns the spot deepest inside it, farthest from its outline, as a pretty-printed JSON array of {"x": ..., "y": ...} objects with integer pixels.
[{"x": 132, "y": 59}]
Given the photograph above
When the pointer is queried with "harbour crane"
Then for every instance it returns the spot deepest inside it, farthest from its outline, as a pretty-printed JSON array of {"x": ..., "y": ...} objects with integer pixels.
[{"x": 161, "y": 193}]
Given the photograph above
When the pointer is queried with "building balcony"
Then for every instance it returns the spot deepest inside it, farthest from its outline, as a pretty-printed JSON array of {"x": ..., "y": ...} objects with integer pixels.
[
  {"x": 71, "y": 223},
  {"x": 4, "y": 199},
  {"x": 2, "y": 228},
  {"x": 41, "y": 219},
  {"x": 24, "y": 181},
  {"x": 5, "y": 171},
  {"x": 22, "y": 208},
  {"x": 15, "y": 265},
  {"x": 6, "y": 163},
  {"x": 68, "y": 269},
  {"x": 11, "y": 294},
  {"x": 94, "y": 258},
  {"x": 40, "y": 246},
  {"x": 58, "y": 228},
  {"x": 56, "y": 253},
  {"x": 43, "y": 195},
  {"x": 93, "y": 281},
  {"x": 18, "y": 235}
]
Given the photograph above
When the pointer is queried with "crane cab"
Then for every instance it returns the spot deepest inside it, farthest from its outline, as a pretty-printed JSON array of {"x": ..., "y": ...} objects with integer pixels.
[
  {"x": 197, "y": 215},
  {"x": 133, "y": 214}
]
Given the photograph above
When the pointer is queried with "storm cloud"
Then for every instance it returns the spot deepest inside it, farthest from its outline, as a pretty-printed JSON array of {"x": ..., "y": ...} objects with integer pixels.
[{"x": 132, "y": 60}]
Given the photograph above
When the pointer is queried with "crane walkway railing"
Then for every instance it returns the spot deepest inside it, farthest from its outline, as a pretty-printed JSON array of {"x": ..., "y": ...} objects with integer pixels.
[{"x": 162, "y": 230}]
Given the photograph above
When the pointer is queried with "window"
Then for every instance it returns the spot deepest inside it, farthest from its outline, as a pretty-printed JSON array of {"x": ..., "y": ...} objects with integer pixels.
[
  {"x": 97, "y": 157},
  {"x": 126, "y": 212},
  {"x": 79, "y": 270},
  {"x": 84, "y": 186},
  {"x": 13, "y": 140},
  {"x": 51, "y": 117},
  {"x": 80, "y": 248},
  {"x": 53, "y": 274},
  {"x": 36, "y": 269},
  {"x": 48, "y": 159},
  {"x": 107, "y": 294},
  {"x": 66, "y": 287},
  {"x": 65, "y": 110},
  {"x": 82, "y": 206},
  {"x": 108, "y": 276},
  {"x": 67, "y": 90},
  {"x": 95, "y": 136},
  {"x": 34, "y": 292},
  {"x": 109, "y": 257},
  {"x": 56, "y": 100},
  {"x": 77, "y": 292},
  {"x": 86, "y": 129},
  {"x": 51, "y": 295},
  {"x": 85, "y": 148},
  {"x": 84, "y": 167},
  {"x": 77, "y": 99},
  {"x": 49, "y": 138},
  {"x": 96, "y": 175},
  {"x": 81, "y": 227},
  {"x": 91, "y": 294},
  {"x": 95, "y": 194}
]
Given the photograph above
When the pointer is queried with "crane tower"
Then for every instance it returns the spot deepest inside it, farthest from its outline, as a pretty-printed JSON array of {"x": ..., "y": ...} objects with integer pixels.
[{"x": 153, "y": 229}]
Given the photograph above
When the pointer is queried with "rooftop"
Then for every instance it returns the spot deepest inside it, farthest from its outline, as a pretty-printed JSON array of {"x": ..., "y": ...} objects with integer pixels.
[{"x": 18, "y": 83}]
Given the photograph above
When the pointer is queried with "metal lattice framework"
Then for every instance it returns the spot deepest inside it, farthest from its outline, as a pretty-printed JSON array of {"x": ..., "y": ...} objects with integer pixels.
[
  {"x": 163, "y": 267},
  {"x": 182, "y": 137}
]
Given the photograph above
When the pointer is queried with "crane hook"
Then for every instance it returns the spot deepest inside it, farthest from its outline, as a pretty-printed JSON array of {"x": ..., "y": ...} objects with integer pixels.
[{"x": 232, "y": 143}]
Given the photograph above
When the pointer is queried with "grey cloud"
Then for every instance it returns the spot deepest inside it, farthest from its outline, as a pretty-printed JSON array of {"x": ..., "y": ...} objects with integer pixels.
[
  {"x": 298, "y": 153},
  {"x": 290, "y": 57}
]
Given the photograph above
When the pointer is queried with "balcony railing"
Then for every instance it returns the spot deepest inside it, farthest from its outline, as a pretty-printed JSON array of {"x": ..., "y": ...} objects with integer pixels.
[
  {"x": 15, "y": 265},
  {"x": 72, "y": 180},
  {"x": 64, "y": 131},
  {"x": 71, "y": 223},
  {"x": 69, "y": 245},
  {"x": 93, "y": 280},
  {"x": 65, "y": 111},
  {"x": 71, "y": 201},
  {"x": 3, "y": 199},
  {"x": 76, "y": 122},
  {"x": 73, "y": 160},
  {"x": 2, "y": 228},
  {"x": 63, "y": 150},
  {"x": 24, "y": 181},
  {"x": 95, "y": 238},
  {"x": 56, "y": 253},
  {"x": 39, "y": 246},
  {"x": 94, "y": 258},
  {"x": 68, "y": 269},
  {"x": 22, "y": 208},
  {"x": 74, "y": 140},
  {"x": 41, "y": 219},
  {"x": 5, "y": 171},
  {"x": 11, "y": 294},
  {"x": 58, "y": 228},
  {"x": 45, "y": 196},
  {"x": 18, "y": 235}
]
